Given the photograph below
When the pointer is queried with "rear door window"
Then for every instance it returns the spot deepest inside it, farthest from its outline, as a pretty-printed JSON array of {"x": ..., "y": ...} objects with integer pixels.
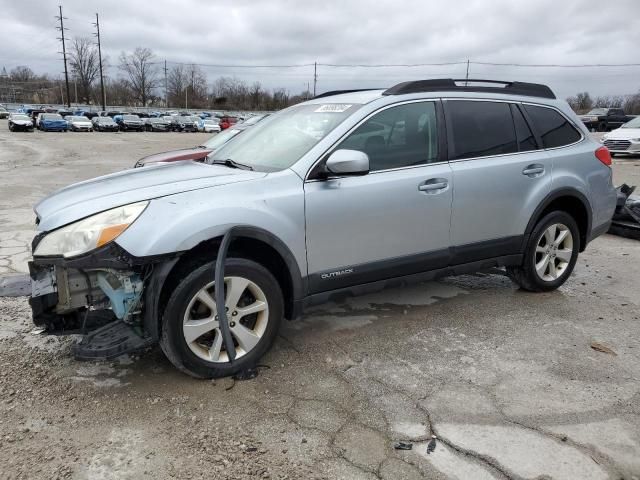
[
  {"x": 479, "y": 129},
  {"x": 554, "y": 129}
]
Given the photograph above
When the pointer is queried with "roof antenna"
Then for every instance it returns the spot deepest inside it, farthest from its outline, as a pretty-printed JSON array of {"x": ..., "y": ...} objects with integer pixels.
[{"x": 466, "y": 81}]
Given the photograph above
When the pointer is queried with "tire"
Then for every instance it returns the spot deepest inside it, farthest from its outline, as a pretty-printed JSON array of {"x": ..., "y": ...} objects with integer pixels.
[
  {"x": 191, "y": 358},
  {"x": 602, "y": 127},
  {"x": 10, "y": 128},
  {"x": 560, "y": 261}
]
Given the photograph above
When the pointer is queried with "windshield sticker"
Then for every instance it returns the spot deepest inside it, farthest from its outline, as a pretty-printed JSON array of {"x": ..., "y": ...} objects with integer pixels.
[{"x": 333, "y": 108}]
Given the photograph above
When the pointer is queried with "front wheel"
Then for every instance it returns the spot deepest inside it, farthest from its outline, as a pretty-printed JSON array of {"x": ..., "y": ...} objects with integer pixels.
[
  {"x": 550, "y": 255},
  {"x": 191, "y": 337}
]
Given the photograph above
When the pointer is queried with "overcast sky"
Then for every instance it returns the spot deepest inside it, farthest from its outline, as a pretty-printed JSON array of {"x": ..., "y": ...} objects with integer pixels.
[{"x": 243, "y": 32}]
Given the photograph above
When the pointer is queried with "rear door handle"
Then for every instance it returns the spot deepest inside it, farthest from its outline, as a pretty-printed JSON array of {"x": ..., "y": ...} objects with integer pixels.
[
  {"x": 533, "y": 170},
  {"x": 433, "y": 185}
]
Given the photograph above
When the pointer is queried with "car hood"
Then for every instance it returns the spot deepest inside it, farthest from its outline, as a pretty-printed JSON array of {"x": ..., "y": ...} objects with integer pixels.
[
  {"x": 22, "y": 122},
  {"x": 55, "y": 122},
  {"x": 196, "y": 153},
  {"x": 83, "y": 123},
  {"x": 623, "y": 134},
  {"x": 82, "y": 199}
]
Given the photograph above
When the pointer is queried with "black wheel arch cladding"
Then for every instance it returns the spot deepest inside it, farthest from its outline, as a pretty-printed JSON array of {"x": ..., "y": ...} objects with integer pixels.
[{"x": 568, "y": 200}]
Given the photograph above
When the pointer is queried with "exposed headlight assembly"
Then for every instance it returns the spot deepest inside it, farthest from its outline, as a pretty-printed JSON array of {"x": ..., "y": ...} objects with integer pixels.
[{"x": 90, "y": 233}]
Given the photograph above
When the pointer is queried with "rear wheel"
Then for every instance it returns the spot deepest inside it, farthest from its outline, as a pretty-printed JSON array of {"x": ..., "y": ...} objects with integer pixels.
[
  {"x": 191, "y": 337},
  {"x": 550, "y": 255}
]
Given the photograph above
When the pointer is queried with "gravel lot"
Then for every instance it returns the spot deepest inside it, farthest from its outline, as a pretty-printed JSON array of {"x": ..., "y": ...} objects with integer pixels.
[{"x": 507, "y": 380}]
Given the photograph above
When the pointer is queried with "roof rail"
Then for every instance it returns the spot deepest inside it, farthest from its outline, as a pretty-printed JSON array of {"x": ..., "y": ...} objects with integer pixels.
[
  {"x": 462, "y": 85},
  {"x": 338, "y": 92}
]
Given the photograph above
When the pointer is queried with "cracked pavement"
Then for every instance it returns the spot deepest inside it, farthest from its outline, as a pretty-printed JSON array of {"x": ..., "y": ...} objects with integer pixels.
[{"x": 506, "y": 380}]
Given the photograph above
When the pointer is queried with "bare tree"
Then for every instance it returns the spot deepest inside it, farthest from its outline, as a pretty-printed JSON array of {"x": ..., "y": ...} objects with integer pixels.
[
  {"x": 256, "y": 95},
  {"x": 581, "y": 103},
  {"x": 176, "y": 83},
  {"x": 85, "y": 65},
  {"x": 632, "y": 104},
  {"x": 22, "y": 74},
  {"x": 141, "y": 73},
  {"x": 196, "y": 84}
]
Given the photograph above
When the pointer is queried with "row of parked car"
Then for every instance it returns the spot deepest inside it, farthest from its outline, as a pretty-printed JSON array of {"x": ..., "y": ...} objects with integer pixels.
[
  {"x": 50, "y": 119},
  {"x": 54, "y": 122}
]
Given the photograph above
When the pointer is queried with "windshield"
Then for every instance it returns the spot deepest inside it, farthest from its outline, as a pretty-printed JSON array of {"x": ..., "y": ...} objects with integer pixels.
[
  {"x": 20, "y": 117},
  {"x": 106, "y": 120},
  {"x": 131, "y": 117},
  {"x": 598, "y": 111},
  {"x": 220, "y": 139},
  {"x": 51, "y": 116},
  {"x": 282, "y": 139},
  {"x": 635, "y": 123}
]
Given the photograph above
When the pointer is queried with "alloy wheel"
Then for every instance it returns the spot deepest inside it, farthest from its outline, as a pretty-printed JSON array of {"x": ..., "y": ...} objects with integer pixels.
[
  {"x": 553, "y": 252},
  {"x": 247, "y": 314}
]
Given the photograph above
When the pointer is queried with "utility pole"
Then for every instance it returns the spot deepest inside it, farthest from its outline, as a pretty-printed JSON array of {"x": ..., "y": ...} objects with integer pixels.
[
  {"x": 64, "y": 54},
  {"x": 103, "y": 94},
  {"x": 315, "y": 77},
  {"x": 193, "y": 87},
  {"x": 75, "y": 85},
  {"x": 467, "y": 77},
  {"x": 166, "y": 87}
]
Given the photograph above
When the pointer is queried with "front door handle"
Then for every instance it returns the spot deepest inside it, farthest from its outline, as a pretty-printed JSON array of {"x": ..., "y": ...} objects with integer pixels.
[
  {"x": 533, "y": 170},
  {"x": 434, "y": 185}
]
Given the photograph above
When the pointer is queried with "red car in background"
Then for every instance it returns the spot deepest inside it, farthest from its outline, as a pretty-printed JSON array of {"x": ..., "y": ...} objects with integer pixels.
[{"x": 226, "y": 122}]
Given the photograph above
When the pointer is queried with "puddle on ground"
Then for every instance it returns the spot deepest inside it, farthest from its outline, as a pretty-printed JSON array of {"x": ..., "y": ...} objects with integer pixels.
[{"x": 416, "y": 295}]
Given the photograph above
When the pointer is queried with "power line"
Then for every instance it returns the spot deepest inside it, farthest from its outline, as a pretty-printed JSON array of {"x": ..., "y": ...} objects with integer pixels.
[
  {"x": 558, "y": 65},
  {"x": 386, "y": 65},
  {"x": 211, "y": 65}
]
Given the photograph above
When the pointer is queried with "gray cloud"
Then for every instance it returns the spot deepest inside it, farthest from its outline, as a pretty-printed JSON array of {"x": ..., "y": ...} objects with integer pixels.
[{"x": 351, "y": 32}]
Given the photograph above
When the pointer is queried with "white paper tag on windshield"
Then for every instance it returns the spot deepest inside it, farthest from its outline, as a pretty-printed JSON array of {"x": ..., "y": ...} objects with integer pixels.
[{"x": 333, "y": 108}]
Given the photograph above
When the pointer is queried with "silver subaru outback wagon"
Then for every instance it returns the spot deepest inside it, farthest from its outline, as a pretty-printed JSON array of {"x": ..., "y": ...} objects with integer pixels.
[{"x": 344, "y": 194}]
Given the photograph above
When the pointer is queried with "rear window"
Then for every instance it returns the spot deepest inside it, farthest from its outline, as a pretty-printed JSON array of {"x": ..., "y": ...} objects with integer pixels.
[
  {"x": 554, "y": 129},
  {"x": 480, "y": 129}
]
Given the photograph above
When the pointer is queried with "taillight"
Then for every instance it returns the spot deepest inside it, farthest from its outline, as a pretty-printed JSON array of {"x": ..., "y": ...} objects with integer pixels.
[{"x": 604, "y": 155}]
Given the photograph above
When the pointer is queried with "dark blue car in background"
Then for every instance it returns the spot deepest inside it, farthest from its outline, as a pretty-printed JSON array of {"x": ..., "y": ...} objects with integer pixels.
[{"x": 52, "y": 122}]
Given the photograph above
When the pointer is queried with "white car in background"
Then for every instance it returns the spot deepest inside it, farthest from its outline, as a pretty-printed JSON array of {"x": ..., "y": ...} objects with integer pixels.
[
  {"x": 78, "y": 123},
  {"x": 625, "y": 139},
  {"x": 209, "y": 125}
]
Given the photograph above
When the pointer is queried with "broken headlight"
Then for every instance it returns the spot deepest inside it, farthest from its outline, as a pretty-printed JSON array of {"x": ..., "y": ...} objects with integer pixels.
[{"x": 90, "y": 233}]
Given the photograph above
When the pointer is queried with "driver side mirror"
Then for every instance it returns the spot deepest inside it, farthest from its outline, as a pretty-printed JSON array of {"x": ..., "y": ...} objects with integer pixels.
[{"x": 348, "y": 162}]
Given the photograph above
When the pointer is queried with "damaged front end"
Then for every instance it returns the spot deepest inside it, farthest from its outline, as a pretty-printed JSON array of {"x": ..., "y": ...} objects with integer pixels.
[{"x": 108, "y": 296}]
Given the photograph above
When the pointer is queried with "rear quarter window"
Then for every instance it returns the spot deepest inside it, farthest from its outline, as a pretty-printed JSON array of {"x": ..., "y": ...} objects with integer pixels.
[{"x": 554, "y": 129}]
